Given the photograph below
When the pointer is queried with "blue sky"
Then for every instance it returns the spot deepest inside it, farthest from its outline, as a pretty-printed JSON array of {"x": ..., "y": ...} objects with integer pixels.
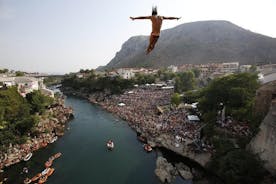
[{"x": 61, "y": 36}]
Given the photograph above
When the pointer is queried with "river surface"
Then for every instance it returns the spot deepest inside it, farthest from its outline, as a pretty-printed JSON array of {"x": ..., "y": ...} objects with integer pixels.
[{"x": 85, "y": 158}]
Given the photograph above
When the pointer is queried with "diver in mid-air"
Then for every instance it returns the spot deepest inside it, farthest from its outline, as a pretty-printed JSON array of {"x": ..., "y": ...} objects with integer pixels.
[{"x": 156, "y": 26}]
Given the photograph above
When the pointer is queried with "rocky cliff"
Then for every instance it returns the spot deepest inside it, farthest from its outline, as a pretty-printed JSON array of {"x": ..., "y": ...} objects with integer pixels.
[{"x": 264, "y": 143}]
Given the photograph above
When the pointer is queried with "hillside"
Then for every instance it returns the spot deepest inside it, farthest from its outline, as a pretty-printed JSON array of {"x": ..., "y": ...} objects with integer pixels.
[{"x": 197, "y": 42}]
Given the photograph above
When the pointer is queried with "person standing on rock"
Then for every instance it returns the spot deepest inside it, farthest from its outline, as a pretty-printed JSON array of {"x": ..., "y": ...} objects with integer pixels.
[{"x": 156, "y": 21}]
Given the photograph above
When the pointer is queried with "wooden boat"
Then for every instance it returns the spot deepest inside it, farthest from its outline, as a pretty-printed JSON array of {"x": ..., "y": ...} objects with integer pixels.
[
  {"x": 36, "y": 177},
  {"x": 50, "y": 172},
  {"x": 110, "y": 145},
  {"x": 57, "y": 155},
  {"x": 28, "y": 157},
  {"x": 52, "y": 158},
  {"x": 43, "y": 179},
  {"x": 27, "y": 181},
  {"x": 147, "y": 147},
  {"x": 45, "y": 171},
  {"x": 48, "y": 163}
]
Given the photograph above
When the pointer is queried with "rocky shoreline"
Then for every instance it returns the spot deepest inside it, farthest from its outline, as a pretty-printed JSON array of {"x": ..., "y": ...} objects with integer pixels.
[{"x": 51, "y": 125}]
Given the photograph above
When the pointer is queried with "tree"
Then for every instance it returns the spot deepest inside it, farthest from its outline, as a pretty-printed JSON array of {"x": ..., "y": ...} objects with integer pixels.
[
  {"x": 196, "y": 72},
  {"x": 253, "y": 69},
  {"x": 4, "y": 71},
  {"x": 235, "y": 91},
  {"x": 19, "y": 73},
  {"x": 176, "y": 99},
  {"x": 184, "y": 81},
  {"x": 38, "y": 101}
]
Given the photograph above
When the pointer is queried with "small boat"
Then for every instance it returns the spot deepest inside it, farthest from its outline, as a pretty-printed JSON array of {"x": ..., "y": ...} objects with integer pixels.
[
  {"x": 43, "y": 179},
  {"x": 54, "y": 139},
  {"x": 27, "y": 181},
  {"x": 51, "y": 171},
  {"x": 45, "y": 171},
  {"x": 48, "y": 163},
  {"x": 36, "y": 177},
  {"x": 28, "y": 157},
  {"x": 147, "y": 147},
  {"x": 110, "y": 145},
  {"x": 57, "y": 155}
]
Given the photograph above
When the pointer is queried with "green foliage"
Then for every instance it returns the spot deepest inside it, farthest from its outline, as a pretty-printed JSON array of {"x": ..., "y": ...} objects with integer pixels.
[
  {"x": 16, "y": 116},
  {"x": 192, "y": 96},
  {"x": 253, "y": 69},
  {"x": 164, "y": 74},
  {"x": 144, "y": 79},
  {"x": 235, "y": 91},
  {"x": 19, "y": 73},
  {"x": 52, "y": 80},
  {"x": 176, "y": 99},
  {"x": 38, "y": 101},
  {"x": 95, "y": 83},
  {"x": 196, "y": 72},
  {"x": 184, "y": 81},
  {"x": 4, "y": 70},
  {"x": 239, "y": 167}
]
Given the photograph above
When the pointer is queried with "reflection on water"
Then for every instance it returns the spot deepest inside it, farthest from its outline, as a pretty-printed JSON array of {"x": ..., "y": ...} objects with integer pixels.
[{"x": 85, "y": 158}]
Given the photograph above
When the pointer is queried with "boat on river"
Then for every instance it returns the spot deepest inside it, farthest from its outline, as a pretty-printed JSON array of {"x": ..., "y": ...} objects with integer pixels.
[
  {"x": 48, "y": 163},
  {"x": 57, "y": 155},
  {"x": 50, "y": 172},
  {"x": 45, "y": 171},
  {"x": 110, "y": 145},
  {"x": 147, "y": 148},
  {"x": 36, "y": 177},
  {"x": 28, "y": 157}
]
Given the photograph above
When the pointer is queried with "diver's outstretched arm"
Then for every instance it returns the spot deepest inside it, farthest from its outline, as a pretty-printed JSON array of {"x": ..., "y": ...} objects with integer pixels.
[
  {"x": 142, "y": 17},
  {"x": 171, "y": 18}
]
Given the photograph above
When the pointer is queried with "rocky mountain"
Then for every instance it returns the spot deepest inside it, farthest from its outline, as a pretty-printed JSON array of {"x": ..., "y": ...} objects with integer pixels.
[{"x": 197, "y": 42}]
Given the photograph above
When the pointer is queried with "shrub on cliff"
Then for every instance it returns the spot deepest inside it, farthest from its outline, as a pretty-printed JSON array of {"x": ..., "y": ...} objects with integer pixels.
[{"x": 238, "y": 166}]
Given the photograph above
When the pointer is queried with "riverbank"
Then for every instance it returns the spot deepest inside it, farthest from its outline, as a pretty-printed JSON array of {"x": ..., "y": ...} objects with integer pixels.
[
  {"x": 51, "y": 125},
  {"x": 169, "y": 129}
]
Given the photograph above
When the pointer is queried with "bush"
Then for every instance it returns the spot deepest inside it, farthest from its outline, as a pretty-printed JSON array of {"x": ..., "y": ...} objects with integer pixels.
[{"x": 239, "y": 167}]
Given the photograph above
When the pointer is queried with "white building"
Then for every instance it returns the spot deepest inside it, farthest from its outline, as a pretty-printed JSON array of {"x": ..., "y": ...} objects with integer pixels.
[
  {"x": 26, "y": 85},
  {"x": 230, "y": 67},
  {"x": 8, "y": 81},
  {"x": 126, "y": 73},
  {"x": 245, "y": 68},
  {"x": 173, "y": 68}
]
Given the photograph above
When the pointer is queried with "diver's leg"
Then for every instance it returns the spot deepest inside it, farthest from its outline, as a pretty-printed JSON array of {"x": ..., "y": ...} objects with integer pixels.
[{"x": 151, "y": 40}]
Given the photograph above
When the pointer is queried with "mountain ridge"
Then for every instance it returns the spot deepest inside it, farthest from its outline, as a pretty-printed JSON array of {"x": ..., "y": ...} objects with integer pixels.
[{"x": 201, "y": 42}]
